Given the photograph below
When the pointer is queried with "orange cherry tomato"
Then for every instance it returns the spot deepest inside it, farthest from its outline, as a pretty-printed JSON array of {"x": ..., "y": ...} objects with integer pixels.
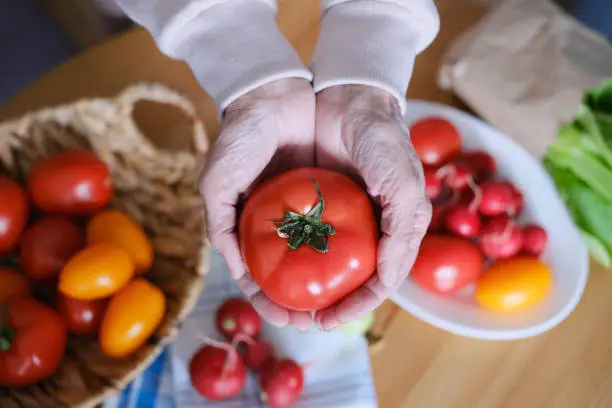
[
  {"x": 14, "y": 212},
  {"x": 71, "y": 182},
  {"x": 96, "y": 272},
  {"x": 13, "y": 283},
  {"x": 131, "y": 318},
  {"x": 47, "y": 245},
  {"x": 115, "y": 226},
  {"x": 82, "y": 317},
  {"x": 513, "y": 284}
]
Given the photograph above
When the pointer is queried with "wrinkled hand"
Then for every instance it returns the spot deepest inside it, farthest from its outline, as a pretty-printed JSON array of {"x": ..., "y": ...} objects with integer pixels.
[
  {"x": 263, "y": 133},
  {"x": 360, "y": 132}
]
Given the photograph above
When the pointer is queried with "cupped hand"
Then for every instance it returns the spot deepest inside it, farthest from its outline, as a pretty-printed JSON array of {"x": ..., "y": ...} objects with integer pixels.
[
  {"x": 263, "y": 133},
  {"x": 360, "y": 132}
]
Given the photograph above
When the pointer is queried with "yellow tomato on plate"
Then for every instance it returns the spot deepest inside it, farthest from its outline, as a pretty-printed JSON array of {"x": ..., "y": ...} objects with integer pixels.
[{"x": 513, "y": 284}]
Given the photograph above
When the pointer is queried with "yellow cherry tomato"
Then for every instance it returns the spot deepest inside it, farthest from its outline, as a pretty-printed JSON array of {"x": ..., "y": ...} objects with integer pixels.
[
  {"x": 513, "y": 284},
  {"x": 132, "y": 316},
  {"x": 96, "y": 272},
  {"x": 116, "y": 226}
]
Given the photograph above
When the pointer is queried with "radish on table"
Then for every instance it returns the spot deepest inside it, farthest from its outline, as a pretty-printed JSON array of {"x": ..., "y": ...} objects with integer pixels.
[
  {"x": 237, "y": 316},
  {"x": 281, "y": 383},
  {"x": 217, "y": 372}
]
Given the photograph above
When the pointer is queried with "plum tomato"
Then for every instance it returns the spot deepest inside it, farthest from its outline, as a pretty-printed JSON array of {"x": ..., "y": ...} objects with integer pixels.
[
  {"x": 14, "y": 211},
  {"x": 132, "y": 316},
  {"x": 70, "y": 183},
  {"x": 47, "y": 245},
  {"x": 513, "y": 284},
  {"x": 309, "y": 237},
  {"x": 435, "y": 140},
  {"x": 237, "y": 316},
  {"x": 446, "y": 264}
]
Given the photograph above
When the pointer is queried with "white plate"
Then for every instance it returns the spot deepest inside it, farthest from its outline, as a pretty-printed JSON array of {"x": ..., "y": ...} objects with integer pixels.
[{"x": 566, "y": 253}]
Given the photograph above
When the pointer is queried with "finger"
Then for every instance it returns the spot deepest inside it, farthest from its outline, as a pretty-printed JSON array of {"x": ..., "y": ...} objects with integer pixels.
[
  {"x": 356, "y": 305},
  {"x": 404, "y": 229},
  {"x": 271, "y": 312}
]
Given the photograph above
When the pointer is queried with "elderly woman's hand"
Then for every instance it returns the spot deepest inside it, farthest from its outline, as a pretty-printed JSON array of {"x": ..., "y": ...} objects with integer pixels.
[
  {"x": 264, "y": 132},
  {"x": 360, "y": 132}
]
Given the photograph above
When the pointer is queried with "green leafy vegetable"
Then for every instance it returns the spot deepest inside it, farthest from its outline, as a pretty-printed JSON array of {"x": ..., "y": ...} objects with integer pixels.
[{"x": 580, "y": 163}]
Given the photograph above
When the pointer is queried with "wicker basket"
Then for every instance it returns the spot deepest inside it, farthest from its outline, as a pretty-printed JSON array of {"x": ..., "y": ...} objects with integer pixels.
[{"x": 155, "y": 186}]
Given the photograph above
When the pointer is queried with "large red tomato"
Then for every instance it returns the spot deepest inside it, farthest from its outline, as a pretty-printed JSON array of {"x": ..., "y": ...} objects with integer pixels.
[
  {"x": 305, "y": 249},
  {"x": 32, "y": 342},
  {"x": 446, "y": 264},
  {"x": 72, "y": 182},
  {"x": 13, "y": 213},
  {"x": 435, "y": 140}
]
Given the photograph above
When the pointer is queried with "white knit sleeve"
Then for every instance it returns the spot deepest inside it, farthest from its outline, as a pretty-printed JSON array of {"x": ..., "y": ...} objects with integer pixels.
[
  {"x": 232, "y": 46},
  {"x": 372, "y": 42}
]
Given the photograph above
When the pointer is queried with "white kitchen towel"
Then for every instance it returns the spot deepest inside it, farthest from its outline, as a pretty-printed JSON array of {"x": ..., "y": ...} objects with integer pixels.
[{"x": 339, "y": 377}]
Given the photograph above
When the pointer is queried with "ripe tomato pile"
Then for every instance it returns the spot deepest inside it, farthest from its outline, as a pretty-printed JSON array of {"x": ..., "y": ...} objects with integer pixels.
[
  {"x": 70, "y": 267},
  {"x": 475, "y": 236},
  {"x": 218, "y": 370}
]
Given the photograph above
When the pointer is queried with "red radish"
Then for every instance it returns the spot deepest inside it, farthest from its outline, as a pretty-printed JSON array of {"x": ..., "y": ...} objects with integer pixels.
[
  {"x": 500, "y": 238},
  {"x": 517, "y": 201},
  {"x": 217, "y": 373},
  {"x": 458, "y": 175},
  {"x": 480, "y": 162},
  {"x": 433, "y": 184},
  {"x": 256, "y": 352},
  {"x": 281, "y": 383},
  {"x": 497, "y": 198},
  {"x": 534, "y": 240},
  {"x": 461, "y": 220},
  {"x": 237, "y": 316}
]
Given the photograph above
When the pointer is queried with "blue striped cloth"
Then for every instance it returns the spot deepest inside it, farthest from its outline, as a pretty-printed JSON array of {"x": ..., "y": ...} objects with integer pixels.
[{"x": 340, "y": 377}]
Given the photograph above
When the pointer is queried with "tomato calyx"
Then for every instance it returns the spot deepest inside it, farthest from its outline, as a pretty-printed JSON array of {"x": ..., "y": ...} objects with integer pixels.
[
  {"x": 6, "y": 333},
  {"x": 307, "y": 229}
]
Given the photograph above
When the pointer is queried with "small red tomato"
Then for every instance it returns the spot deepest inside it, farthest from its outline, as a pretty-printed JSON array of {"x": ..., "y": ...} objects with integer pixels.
[
  {"x": 237, "y": 316},
  {"x": 32, "y": 342},
  {"x": 71, "y": 183},
  {"x": 47, "y": 245},
  {"x": 281, "y": 383},
  {"x": 82, "y": 317},
  {"x": 435, "y": 140},
  {"x": 14, "y": 213},
  {"x": 446, "y": 264},
  {"x": 216, "y": 373}
]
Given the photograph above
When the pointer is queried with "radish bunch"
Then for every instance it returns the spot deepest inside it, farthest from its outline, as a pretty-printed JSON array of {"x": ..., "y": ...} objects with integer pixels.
[
  {"x": 469, "y": 200},
  {"x": 218, "y": 370}
]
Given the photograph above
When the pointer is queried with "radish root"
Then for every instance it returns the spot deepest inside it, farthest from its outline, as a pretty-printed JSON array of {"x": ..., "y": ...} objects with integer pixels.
[{"x": 475, "y": 203}]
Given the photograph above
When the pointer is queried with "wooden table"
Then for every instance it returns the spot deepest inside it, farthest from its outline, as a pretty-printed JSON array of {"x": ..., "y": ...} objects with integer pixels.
[{"x": 419, "y": 366}]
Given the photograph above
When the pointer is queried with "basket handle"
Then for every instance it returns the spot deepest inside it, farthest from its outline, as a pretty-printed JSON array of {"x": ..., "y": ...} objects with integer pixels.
[{"x": 128, "y": 98}]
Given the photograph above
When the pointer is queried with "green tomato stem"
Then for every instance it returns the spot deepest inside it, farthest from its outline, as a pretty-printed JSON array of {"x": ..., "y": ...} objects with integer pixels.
[
  {"x": 6, "y": 333},
  {"x": 308, "y": 229}
]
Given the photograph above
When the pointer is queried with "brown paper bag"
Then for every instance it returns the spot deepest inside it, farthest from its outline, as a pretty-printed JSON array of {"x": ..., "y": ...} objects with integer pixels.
[{"x": 524, "y": 68}]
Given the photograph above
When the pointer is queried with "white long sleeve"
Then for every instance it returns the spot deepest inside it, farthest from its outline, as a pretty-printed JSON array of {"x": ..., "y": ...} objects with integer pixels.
[
  {"x": 232, "y": 46},
  {"x": 373, "y": 42}
]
